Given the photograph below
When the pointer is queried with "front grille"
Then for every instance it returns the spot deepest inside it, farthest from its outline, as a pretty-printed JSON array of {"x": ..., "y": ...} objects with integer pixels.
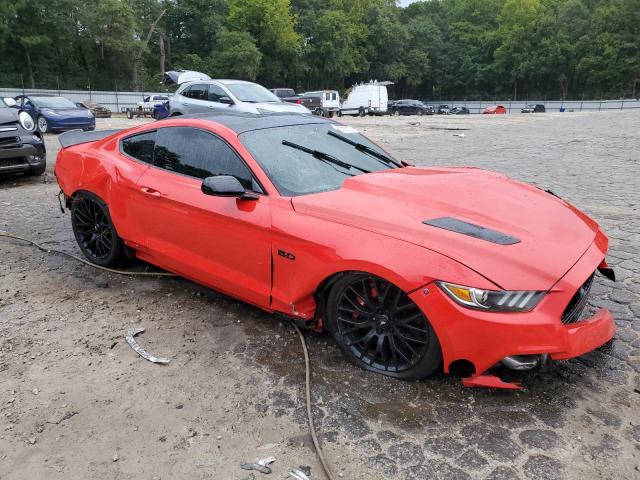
[
  {"x": 7, "y": 141},
  {"x": 12, "y": 162},
  {"x": 577, "y": 303}
]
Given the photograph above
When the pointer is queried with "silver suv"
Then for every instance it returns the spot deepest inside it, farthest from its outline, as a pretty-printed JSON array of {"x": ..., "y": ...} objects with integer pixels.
[{"x": 232, "y": 95}]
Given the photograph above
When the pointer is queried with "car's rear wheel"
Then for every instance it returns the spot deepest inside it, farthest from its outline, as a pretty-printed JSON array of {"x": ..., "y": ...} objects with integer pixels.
[
  {"x": 43, "y": 125},
  {"x": 94, "y": 230},
  {"x": 361, "y": 112},
  {"x": 379, "y": 328}
]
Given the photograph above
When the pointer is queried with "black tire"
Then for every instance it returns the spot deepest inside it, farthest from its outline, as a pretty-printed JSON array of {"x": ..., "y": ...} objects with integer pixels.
[
  {"x": 43, "y": 125},
  {"x": 156, "y": 115},
  {"x": 36, "y": 171},
  {"x": 379, "y": 328},
  {"x": 396, "y": 112},
  {"x": 361, "y": 112},
  {"x": 94, "y": 230},
  {"x": 339, "y": 113},
  {"x": 419, "y": 112},
  {"x": 129, "y": 114}
]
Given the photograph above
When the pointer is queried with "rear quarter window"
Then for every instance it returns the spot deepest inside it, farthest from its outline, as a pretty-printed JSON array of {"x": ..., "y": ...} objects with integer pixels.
[{"x": 140, "y": 147}]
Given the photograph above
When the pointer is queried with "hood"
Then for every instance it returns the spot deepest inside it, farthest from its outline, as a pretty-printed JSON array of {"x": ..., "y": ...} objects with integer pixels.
[
  {"x": 551, "y": 234},
  {"x": 281, "y": 107},
  {"x": 8, "y": 115},
  {"x": 178, "y": 77}
]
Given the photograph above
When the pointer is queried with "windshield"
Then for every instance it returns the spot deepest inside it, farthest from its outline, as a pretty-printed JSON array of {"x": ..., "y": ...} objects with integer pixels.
[
  {"x": 2, "y": 104},
  {"x": 295, "y": 172},
  {"x": 251, "y": 92},
  {"x": 52, "y": 102}
]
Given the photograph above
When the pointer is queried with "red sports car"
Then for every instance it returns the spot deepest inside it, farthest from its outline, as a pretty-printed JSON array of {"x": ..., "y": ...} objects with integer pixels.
[
  {"x": 496, "y": 109},
  {"x": 409, "y": 268}
]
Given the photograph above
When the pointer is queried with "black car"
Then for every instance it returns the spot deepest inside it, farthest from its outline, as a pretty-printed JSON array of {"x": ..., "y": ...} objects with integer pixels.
[
  {"x": 459, "y": 111},
  {"x": 21, "y": 145},
  {"x": 286, "y": 94},
  {"x": 409, "y": 107},
  {"x": 531, "y": 108},
  {"x": 444, "y": 110}
]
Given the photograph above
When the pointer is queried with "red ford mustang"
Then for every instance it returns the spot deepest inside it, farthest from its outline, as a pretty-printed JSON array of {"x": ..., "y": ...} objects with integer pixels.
[{"x": 409, "y": 268}]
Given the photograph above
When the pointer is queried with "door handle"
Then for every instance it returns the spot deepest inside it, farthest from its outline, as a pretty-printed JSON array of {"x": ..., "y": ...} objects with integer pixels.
[{"x": 151, "y": 192}]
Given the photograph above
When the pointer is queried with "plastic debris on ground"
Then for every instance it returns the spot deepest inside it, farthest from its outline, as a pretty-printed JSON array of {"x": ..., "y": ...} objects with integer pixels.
[
  {"x": 141, "y": 351},
  {"x": 303, "y": 472},
  {"x": 261, "y": 465}
]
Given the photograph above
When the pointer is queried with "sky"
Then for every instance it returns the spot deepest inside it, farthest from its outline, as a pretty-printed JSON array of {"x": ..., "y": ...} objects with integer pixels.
[{"x": 404, "y": 3}]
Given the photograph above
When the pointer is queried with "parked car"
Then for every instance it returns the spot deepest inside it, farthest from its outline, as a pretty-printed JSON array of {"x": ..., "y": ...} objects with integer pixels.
[
  {"x": 325, "y": 103},
  {"x": 298, "y": 215},
  {"x": 161, "y": 111},
  {"x": 533, "y": 108},
  {"x": 232, "y": 95},
  {"x": 495, "y": 109},
  {"x": 366, "y": 99},
  {"x": 443, "y": 110},
  {"x": 99, "y": 111},
  {"x": 151, "y": 101},
  {"x": 55, "y": 113},
  {"x": 459, "y": 111},
  {"x": 286, "y": 94},
  {"x": 22, "y": 147},
  {"x": 410, "y": 107}
]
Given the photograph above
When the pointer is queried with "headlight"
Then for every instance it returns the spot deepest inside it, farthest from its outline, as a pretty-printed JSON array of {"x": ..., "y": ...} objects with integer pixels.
[
  {"x": 26, "y": 121},
  {"x": 493, "y": 300}
]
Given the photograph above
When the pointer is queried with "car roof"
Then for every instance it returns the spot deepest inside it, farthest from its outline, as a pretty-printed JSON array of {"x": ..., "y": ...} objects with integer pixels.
[{"x": 241, "y": 122}]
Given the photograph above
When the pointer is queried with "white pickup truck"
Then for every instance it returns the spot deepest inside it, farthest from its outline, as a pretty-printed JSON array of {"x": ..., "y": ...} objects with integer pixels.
[{"x": 151, "y": 101}]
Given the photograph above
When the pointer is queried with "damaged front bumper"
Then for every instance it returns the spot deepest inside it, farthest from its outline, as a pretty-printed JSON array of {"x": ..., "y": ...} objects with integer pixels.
[{"x": 483, "y": 339}]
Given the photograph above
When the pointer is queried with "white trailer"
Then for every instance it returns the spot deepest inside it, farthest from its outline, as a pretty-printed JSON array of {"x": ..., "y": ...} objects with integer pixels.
[{"x": 366, "y": 99}]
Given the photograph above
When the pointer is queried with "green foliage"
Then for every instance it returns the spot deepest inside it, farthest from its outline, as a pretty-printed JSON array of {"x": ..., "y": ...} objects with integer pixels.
[{"x": 431, "y": 49}]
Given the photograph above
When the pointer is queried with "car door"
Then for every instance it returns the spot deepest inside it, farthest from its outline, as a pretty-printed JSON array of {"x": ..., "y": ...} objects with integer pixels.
[
  {"x": 223, "y": 242},
  {"x": 194, "y": 99}
]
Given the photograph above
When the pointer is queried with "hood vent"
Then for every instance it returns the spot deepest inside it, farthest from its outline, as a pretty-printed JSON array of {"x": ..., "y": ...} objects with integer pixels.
[{"x": 472, "y": 230}]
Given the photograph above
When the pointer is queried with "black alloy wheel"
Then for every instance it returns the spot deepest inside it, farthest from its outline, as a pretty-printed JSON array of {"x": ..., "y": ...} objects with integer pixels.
[
  {"x": 381, "y": 329},
  {"x": 94, "y": 230}
]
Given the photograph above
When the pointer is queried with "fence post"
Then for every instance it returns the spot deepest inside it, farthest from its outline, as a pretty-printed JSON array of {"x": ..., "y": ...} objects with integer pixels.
[
  {"x": 600, "y": 105},
  {"x": 117, "y": 104},
  {"x": 622, "y": 104}
]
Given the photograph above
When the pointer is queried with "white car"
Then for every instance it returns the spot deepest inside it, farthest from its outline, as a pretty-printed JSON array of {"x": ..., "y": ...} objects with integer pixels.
[
  {"x": 228, "y": 95},
  {"x": 152, "y": 100}
]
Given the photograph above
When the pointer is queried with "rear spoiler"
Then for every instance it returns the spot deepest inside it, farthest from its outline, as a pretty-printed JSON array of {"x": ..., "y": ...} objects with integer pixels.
[{"x": 76, "y": 137}]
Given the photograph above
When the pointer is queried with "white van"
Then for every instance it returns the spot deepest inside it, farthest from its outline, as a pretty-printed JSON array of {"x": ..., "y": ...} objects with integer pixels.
[{"x": 366, "y": 98}]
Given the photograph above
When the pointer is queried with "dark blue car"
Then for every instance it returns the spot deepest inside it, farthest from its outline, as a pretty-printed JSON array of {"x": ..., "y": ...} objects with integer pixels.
[{"x": 55, "y": 113}]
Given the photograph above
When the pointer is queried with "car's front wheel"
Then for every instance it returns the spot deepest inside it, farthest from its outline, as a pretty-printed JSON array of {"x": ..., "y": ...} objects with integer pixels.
[
  {"x": 43, "y": 125},
  {"x": 94, "y": 230},
  {"x": 379, "y": 328}
]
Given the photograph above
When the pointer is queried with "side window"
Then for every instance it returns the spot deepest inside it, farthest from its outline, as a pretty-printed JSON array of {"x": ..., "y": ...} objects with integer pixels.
[
  {"x": 197, "y": 92},
  {"x": 334, "y": 96},
  {"x": 199, "y": 154},
  {"x": 140, "y": 146},
  {"x": 216, "y": 93},
  {"x": 327, "y": 96}
]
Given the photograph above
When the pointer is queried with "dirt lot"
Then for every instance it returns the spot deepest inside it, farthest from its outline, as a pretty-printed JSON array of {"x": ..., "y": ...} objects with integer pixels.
[{"x": 76, "y": 402}]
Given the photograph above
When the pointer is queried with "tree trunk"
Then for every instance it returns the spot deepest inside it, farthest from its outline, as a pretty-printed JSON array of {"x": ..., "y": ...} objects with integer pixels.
[
  {"x": 27, "y": 56},
  {"x": 515, "y": 90},
  {"x": 163, "y": 57},
  {"x": 138, "y": 57}
]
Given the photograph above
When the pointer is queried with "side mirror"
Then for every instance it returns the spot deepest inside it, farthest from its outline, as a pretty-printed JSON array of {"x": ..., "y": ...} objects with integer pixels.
[
  {"x": 80, "y": 105},
  {"x": 226, "y": 186},
  {"x": 10, "y": 102},
  {"x": 226, "y": 101}
]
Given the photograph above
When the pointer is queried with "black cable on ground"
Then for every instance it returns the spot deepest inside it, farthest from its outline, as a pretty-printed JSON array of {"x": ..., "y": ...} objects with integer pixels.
[
  {"x": 312, "y": 428},
  {"x": 86, "y": 262},
  {"x": 314, "y": 437}
]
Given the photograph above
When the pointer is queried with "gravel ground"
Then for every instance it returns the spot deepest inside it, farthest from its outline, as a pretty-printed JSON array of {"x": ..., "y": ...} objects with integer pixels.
[{"x": 77, "y": 402}]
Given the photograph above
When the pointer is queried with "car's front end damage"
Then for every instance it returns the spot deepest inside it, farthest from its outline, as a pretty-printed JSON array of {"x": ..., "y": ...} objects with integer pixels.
[{"x": 559, "y": 327}]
